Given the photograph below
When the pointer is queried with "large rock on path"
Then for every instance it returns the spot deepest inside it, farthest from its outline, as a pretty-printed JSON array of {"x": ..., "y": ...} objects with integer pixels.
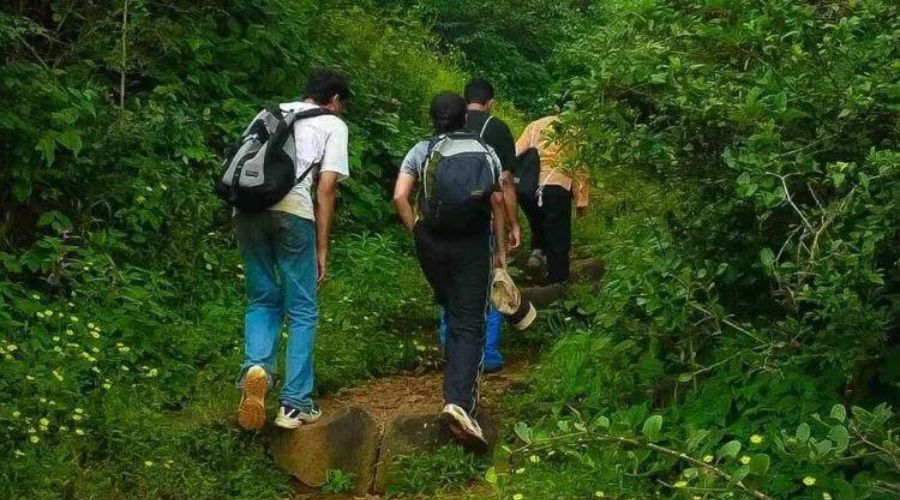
[
  {"x": 424, "y": 433},
  {"x": 347, "y": 440}
]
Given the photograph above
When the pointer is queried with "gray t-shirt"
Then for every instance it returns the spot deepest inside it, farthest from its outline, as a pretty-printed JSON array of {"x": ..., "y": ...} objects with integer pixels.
[{"x": 416, "y": 157}]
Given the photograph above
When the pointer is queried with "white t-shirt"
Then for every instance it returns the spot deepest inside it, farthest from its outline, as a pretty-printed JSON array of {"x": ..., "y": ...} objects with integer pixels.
[{"x": 323, "y": 140}]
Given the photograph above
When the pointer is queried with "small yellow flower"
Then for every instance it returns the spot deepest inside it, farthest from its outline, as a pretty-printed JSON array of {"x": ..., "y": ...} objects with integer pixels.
[
  {"x": 63, "y": 428},
  {"x": 12, "y": 347},
  {"x": 48, "y": 313},
  {"x": 80, "y": 432},
  {"x": 148, "y": 464},
  {"x": 745, "y": 460},
  {"x": 74, "y": 319},
  {"x": 20, "y": 453},
  {"x": 707, "y": 459},
  {"x": 756, "y": 439},
  {"x": 518, "y": 496},
  {"x": 599, "y": 494},
  {"x": 91, "y": 326},
  {"x": 679, "y": 484},
  {"x": 40, "y": 315},
  {"x": 826, "y": 496},
  {"x": 44, "y": 422},
  {"x": 36, "y": 297},
  {"x": 70, "y": 332},
  {"x": 35, "y": 439},
  {"x": 79, "y": 410},
  {"x": 809, "y": 480},
  {"x": 534, "y": 459},
  {"x": 17, "y": 414},
  {"x": 76, "y": 417},
  {"x": 107, "y": 386},
  {"x": 520, "y": 470}
]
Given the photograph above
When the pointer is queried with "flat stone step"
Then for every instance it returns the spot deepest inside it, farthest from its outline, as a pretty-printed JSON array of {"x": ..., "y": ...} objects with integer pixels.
[
  {"x": 350, "y": 441},
  {"x": 346, "y": 440},
  {"x": 406, "y": 435}
]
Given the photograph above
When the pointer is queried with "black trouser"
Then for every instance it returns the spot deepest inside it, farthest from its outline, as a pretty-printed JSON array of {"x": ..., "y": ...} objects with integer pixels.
[
  {"x": 551, "y": 229},
  {"x": 458, "y": 267}
]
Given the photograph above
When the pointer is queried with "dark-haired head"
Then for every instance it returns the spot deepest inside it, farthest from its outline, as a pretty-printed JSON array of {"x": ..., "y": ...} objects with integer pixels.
[
  {"x": 448, "y": 112},
  {"x": 479, "y": 91},
  {"x": 328, "y": 88}
]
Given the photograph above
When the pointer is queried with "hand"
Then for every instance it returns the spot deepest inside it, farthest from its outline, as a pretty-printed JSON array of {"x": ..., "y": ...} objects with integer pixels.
[
  {"x": 322, "y": 264},
  {"x": 500, "y": 260},
  {"x": 581, "y": 212},
  {"x": 515, "y": 236}
]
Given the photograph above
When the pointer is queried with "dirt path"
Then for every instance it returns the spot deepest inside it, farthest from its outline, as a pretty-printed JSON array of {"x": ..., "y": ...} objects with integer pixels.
[{"x": 410, "y": 394}]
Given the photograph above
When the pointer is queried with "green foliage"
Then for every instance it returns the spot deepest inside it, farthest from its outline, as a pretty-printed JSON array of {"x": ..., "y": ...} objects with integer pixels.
[
  {"x": 746, "y": 160},
  {"x": 508, "y": 42},
  {"x": 121, "y": 293},
  {"x": 339, "y": 482},
  {"x": 446, "y": 470}
]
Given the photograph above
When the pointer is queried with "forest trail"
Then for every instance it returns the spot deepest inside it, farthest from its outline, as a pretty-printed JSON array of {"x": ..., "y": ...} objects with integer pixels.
[{"x": 367, "y": 427}]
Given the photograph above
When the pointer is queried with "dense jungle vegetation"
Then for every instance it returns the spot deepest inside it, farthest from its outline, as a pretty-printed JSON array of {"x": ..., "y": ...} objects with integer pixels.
[{"x": 745, "y": 156}]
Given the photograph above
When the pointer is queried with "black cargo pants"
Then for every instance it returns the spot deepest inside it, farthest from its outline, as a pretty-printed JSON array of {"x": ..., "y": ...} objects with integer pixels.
[{"x": 458, "y": 267}]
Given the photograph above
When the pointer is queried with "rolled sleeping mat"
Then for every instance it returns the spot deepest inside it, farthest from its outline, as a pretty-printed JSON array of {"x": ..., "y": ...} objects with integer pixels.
[{"x": 505, "y": 296}]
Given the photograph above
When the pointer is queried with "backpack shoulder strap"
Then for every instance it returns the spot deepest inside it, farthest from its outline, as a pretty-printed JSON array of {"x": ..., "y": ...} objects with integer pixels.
[
  {"x": 308, "y": 113},
  {"x": 484, "y": 127}
]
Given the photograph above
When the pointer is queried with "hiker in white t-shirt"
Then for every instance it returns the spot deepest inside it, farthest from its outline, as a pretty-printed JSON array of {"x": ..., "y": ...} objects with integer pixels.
[{"x": 285, "y": 252}]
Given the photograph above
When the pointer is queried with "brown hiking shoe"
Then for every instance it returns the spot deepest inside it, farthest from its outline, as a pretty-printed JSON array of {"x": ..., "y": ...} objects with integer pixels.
[{"x": 252, "y": 410}]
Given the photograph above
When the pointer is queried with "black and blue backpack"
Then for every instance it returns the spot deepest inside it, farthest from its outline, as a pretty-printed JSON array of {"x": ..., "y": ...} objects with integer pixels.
[{"x": 457, "y": 179}]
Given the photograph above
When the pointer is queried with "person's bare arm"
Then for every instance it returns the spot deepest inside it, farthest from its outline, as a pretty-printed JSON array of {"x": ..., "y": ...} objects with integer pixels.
[
  {"x": 326, "y": 192},
  {"x": 402, "y": 194},
  {"x": 512, "y": 209},
  {"x": 498, "y": 209}
]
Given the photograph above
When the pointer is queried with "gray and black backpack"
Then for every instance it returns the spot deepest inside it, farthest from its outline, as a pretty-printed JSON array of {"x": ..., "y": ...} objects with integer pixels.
[
  {"x": 458, "y": 177},
  {"x": 261, "y": 170}
]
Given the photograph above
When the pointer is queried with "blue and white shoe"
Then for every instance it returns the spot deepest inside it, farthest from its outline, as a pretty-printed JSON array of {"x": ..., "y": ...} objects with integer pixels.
[{"x": 292, "y": 418}]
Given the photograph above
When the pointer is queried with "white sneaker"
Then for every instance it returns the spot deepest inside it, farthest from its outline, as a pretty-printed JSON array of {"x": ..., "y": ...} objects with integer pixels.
[
  {"x": 291, "y": 418},
  {"x": 464, "y": 427},
  {"x": 252, "y": 409}
]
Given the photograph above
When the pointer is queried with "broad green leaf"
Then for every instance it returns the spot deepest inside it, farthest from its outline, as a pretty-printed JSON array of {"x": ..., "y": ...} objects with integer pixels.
[
  {"x": 652, "y": 426},
  {"x": 759, "y": 464},
  {"x": 844, "y": 489},
  {"x": 841, "y": 438},
  {"x": 767, "y": 257},
  {"x": 602, "y": 422},
  {"x": 730, "y": 449},
  {"x": 839, "y": 413},
  {"x": 70, "y": 139},
  {"x": 47, "y": 146},
  {"x": 523, "y": 431},
  {"x": 803, "y": 431}
]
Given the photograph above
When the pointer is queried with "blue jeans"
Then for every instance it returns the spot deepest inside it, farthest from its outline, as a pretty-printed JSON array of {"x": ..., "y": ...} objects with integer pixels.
[
  {"x": 279, "y": 253},
  {"x": 493, "y": 330}
]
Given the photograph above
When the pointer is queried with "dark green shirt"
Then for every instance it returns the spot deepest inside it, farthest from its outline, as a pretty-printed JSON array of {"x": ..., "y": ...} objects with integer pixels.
[{"x": 497, "y": 135}]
